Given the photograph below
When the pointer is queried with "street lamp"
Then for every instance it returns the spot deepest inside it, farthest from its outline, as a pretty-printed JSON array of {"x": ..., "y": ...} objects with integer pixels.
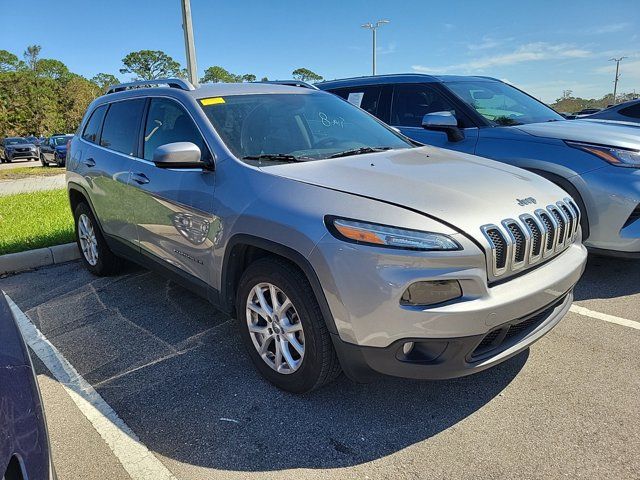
[
  {"x": 373, "y": 27},
  {"x": 189, "y": 45}
]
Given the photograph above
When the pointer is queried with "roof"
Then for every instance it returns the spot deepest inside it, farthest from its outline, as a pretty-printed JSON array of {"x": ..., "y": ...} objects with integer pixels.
[{"x": 400, "y": 78}]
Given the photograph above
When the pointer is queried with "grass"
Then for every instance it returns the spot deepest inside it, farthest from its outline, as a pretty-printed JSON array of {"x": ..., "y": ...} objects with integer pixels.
[
  {"x": 35, "y": 220},
  {"x": 24, "y": 172}
]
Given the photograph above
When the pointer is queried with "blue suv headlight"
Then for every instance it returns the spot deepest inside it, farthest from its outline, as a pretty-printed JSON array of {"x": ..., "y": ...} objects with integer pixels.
[{"x": 619, "y": 157}]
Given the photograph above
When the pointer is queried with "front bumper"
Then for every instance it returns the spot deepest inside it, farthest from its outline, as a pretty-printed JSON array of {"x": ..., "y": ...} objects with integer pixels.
[
  {"x": 612, "y": 196},
  {"x": 436, "y": 359},
  {"x": 13, "y": 155}
]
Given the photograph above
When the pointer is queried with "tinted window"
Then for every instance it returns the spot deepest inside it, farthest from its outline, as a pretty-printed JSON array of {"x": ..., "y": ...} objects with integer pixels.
[
  {"x": 633, "y": 111},
  {"x": 367, "y": 98},
  {"x": 121, "y": 125},
  {"x": 92, "y": 129},
  {"x": 168, "y": 122},
  {"x": 411, "y": 102}
]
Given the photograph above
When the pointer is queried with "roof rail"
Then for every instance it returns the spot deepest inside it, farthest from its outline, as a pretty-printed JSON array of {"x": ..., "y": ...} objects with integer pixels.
[
  {"x": 292, "y": 83},
  {"x": 170, "y": 82}
]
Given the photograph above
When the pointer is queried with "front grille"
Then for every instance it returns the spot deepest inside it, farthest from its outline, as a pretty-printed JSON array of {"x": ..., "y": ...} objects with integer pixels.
[
  {"x": 536, "y": 236},
  {"x": 507, "y": 335},
  {"x": 635, "y": 215},
  {"x": 517, "y": 244}
]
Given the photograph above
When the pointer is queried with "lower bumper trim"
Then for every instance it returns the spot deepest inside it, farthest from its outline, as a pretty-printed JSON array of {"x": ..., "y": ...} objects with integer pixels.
[{"x": 433, "y": 359}]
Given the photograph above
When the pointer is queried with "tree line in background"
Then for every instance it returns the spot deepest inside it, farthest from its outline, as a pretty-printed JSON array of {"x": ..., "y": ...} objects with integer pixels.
[
  {"x": 41, "y": 96},
  {"x": 570, "y": 104}
]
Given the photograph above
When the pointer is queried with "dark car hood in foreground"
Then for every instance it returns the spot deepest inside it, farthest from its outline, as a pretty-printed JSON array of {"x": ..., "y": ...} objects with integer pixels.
[
  {"x": 602, "y": 133},
  {"x": 464, "y": 190}
]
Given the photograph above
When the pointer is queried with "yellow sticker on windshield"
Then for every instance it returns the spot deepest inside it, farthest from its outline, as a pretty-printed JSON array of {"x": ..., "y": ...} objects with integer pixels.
[{"x": 212, "y": 101}]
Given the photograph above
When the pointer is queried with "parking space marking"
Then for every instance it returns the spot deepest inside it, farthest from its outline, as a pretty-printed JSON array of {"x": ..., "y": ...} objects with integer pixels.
[
  {"x": 604, "y": 316},
  {"x": 139, "y": 462}
]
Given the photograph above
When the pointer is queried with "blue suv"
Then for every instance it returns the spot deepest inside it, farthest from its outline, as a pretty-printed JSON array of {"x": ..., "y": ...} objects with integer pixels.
[{"x": 598, "y": 164}]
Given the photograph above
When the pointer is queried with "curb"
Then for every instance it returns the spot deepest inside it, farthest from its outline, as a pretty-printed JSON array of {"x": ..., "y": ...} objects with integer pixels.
[{"x": 40, "y": 257}]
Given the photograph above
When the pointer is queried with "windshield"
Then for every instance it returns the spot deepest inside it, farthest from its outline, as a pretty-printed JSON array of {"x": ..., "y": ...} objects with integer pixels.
[
  {"x": 503, "y": 104},
  {"x": 296, "y": 127},
  {"x": 16, "y": 141},
  {"x": 60, "y": 140}
]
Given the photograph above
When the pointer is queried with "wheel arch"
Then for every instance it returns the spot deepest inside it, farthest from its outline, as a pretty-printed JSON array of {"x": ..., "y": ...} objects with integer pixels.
[
  {"x": 243, "y": 249},
  {"x": 571, "y": 189}
]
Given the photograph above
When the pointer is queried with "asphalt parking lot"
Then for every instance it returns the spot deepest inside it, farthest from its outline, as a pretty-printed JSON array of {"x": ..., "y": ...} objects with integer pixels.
[{"x": 174, "y": 371}]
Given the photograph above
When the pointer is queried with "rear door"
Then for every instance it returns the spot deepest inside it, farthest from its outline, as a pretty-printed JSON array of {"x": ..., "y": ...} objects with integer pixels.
[
  {"x": 174, "y": 206},
  {"x": 110, "y": 144},
  {"x": 412, "y": 101}
]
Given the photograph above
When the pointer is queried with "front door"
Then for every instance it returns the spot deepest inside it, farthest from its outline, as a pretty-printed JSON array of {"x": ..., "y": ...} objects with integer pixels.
[
  {"x": 173, "y": 207},
  {"x": 412, "y": 101}
]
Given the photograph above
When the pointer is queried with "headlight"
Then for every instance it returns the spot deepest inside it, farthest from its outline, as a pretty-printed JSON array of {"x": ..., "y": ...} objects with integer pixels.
[
  {"x": 386, "y": 236},
  {"x": 619, "y": 157}
]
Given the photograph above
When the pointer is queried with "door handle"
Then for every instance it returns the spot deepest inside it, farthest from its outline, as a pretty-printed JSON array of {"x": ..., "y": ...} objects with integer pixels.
[
  {"x": 89, "y": 162},
  {"x": 140, "y": 178}
]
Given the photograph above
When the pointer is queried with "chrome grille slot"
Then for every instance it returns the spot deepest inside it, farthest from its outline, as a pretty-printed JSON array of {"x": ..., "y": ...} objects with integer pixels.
[{"x": 522, "y": 243}]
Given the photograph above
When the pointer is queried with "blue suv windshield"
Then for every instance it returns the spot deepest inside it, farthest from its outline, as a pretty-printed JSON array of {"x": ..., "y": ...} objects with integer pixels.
[
  {"x": 299, "y": 126},
  {"x": 502, "y": 104}
]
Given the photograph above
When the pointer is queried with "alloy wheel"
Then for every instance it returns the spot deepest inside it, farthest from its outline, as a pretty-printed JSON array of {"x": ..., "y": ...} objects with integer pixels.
[
  {"x": 275, "y": 328},
  {"x": 88, "y": 239}
]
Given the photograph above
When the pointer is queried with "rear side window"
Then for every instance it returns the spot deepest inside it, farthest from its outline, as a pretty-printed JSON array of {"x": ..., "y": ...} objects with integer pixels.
[
  {"x": 92, "y": 129},
  {"x": 121, "y": 126},
  {"x": 411, "y": 102},
  {"x": 168, "y": 122},
  {"x": 367, "y": 98},
  {"x": 633, "y": 111}
]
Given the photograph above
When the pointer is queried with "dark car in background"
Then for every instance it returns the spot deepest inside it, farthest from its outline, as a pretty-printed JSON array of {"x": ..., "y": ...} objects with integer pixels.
[
  {"x": 627, "y": 112},
  {"x": 597, "y": 163},
  {"x": 54, "y": 150},
  {"x": 17, "y": 148},
  {"x": 24, "y": 443}
]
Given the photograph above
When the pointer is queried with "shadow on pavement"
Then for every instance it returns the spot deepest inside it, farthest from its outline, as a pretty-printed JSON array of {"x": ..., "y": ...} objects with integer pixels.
[
  {"x": 607, "y": 277},
  {"x": 175, "y": 371}
]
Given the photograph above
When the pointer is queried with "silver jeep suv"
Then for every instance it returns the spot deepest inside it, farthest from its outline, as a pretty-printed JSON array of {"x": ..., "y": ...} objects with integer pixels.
[{"x": 336, "y": 242}]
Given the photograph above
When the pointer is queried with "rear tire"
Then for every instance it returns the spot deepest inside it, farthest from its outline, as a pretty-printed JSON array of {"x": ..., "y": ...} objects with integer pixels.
[
  {"x": 318, "y": 363},
  {"x": 94, "y": 251}
]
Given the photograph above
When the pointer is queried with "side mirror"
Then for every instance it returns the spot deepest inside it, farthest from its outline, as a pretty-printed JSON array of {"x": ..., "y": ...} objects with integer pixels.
[
  {"x": 443, "y": 122},
  {"x": 178, "y": 155}
]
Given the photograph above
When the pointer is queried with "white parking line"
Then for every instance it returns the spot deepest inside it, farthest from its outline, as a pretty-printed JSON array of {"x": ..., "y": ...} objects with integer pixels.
[
  {"x": 137, "y": 460},
  {"x": 603, "y": 316}
]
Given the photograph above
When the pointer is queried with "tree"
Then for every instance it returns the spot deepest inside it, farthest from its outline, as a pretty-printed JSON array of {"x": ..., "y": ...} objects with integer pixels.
[
  {"x": 304, "y": 74},
  {"x": 31, "y": 55},
  {"x": 104, "y": 80},
  {"x": 264, "y": 79},
  {"x": 50, "y": 68},
  {"x": 9, "y": 62},
  {"x": 248, "y": 77},
  {"x": 217, "y": 74},
  {"x": 151, "y": 64}
]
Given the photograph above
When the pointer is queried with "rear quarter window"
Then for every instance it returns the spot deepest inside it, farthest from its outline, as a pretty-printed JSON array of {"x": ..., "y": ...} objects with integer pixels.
[{"x": 92, "y": 129}]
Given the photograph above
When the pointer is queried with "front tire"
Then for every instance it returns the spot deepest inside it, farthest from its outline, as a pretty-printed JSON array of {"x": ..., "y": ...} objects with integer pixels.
[
  {"x": 283, "y": 328},
  {"x": 43, "y": 161},
  {"x": 94, "y": 251}
]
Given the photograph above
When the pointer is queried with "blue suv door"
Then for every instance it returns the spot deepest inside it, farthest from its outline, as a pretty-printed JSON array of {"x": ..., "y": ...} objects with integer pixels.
[{"x": 412, "y": 101}]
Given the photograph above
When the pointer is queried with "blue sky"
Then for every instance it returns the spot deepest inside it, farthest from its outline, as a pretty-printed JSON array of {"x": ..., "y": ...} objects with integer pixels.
[{"x": 542, "y": 46}]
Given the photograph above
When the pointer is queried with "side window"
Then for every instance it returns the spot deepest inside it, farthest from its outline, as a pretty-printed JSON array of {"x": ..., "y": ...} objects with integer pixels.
[
  {"x": 121, "y": 126},
  {"x": 92, "y": 129},
  {"x": 411, "y": 102},
  {"x": 633, "y": 111},
  {"x": 367, "y": 98},
  {"x": 168, "y": 122}
]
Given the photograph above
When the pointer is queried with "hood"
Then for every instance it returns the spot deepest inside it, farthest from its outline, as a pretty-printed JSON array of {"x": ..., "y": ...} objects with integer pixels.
[
  {"x": 603, "y": 133},
  {"x": 463, "y": 190},
  {"x": 21, "y": 145}
]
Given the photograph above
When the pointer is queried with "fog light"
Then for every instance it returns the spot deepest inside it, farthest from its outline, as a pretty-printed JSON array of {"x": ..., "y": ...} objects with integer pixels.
[
  {"x": 430, "y": 293},
  {"x": 407, "y": 347}
]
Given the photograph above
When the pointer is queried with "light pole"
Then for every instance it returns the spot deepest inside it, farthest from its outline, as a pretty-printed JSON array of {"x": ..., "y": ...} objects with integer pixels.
[
  {"x": 373, "y": 27},
  {"x": 189, "y": 45},
  {"x": 615, "y": 82}
]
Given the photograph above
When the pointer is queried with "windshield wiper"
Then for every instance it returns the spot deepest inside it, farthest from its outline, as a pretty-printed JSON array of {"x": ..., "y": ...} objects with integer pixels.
[
  {"x": 359, "y": 151},
  {"x": 280, "y": 157}
]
